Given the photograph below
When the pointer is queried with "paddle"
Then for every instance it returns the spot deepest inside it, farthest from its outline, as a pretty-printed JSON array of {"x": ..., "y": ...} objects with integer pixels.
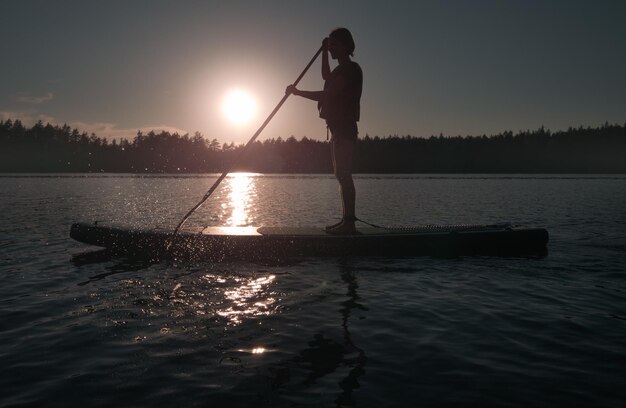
[{"x": 241, "y": 153}]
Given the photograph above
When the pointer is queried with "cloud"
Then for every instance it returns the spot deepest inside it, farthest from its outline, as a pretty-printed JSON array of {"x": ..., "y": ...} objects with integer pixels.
[
  {"x": 28, "y": 118},
  {"x": 36, "y": 99},
  {"x": 101, "y": 129}
]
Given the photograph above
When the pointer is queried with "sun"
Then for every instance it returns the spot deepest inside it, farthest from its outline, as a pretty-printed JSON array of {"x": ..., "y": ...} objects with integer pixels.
[{"x": 239, "y": 107}]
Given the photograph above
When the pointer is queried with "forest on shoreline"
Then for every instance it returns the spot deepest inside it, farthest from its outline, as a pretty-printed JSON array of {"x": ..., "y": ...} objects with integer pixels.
[{"x": 47, "y": 148}]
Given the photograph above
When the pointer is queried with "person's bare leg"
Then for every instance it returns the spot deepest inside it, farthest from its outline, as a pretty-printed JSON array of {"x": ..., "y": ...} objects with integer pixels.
[
  {"x": 334, "y": 161},
  {"x": 342, "y": 162},
  {"x": 348, "y": 197}
]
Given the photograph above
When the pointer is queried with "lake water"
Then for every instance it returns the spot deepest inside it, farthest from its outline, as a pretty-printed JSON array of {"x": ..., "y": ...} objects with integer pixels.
[{"x": 79, "y": 328}]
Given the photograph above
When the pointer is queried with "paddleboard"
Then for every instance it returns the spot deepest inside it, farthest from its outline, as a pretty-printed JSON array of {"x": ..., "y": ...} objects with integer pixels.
[{"x": 219, "y": 243}]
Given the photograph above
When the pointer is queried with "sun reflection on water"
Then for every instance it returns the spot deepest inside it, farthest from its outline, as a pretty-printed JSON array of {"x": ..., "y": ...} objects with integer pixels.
[
  {"x": 206, "y": 299},
  {"x": 247, "y": 300},
  {"x": 241, "y": 198}
]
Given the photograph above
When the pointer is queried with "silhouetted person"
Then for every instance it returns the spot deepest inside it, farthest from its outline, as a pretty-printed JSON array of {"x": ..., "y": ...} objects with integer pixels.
[{"x": 339, "y": 105}]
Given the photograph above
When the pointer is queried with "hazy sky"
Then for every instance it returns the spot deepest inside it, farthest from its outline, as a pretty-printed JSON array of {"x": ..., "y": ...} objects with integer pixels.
[{"x": 430, "y": 67}]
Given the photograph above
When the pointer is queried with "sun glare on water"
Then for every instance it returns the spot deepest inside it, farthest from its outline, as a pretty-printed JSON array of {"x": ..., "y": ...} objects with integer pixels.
[{"x": 239, "y": 107}]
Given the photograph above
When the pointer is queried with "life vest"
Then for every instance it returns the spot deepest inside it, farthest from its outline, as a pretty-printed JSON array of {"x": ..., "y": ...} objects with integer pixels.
[{"x": 343, "y": 106}]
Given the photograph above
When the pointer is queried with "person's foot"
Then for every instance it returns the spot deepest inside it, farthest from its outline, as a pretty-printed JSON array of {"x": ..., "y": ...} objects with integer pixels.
[
  {"x": 335, "y": 225},
  {"x": 344, "y": 228}
]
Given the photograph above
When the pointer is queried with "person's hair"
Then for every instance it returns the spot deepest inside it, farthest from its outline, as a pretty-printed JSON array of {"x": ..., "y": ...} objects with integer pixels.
[{"x": 344, "y": 36}]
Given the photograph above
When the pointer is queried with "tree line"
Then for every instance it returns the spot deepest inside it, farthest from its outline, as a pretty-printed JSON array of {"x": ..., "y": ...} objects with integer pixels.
[{"x": 48, "y": 148}]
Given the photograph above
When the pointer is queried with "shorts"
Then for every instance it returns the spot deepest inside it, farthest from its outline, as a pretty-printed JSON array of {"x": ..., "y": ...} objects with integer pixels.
[
  {"x": 342, "y": 151},
  {"x": 346, "y": 131}
]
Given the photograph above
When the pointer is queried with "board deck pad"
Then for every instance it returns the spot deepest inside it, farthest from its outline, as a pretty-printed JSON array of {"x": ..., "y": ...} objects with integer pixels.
[
  {"x": 420, "y": 229},
  {"x": 234, "y": 231}
]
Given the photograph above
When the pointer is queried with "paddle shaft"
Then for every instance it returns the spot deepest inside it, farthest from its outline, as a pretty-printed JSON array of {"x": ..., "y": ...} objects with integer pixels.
[{"x": 241, "y": 153}]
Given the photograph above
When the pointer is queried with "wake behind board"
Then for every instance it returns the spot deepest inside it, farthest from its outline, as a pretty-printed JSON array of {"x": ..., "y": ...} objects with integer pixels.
[{"x": 218, "y": 243}]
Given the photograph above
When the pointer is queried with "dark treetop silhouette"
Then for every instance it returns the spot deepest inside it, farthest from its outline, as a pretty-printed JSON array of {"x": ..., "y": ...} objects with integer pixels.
[{"x": 55, "y": 149}]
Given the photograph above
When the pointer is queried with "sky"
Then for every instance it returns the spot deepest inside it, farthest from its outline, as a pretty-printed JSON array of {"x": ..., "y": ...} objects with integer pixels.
[{"x": 430, "y": 67}]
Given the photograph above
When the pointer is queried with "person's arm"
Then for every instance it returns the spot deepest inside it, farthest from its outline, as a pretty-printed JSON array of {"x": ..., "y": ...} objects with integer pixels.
[
  {"x": 339, "y": 85},
  {"x": 312, "y": 95},
  {"x": 325, "y": 64}
]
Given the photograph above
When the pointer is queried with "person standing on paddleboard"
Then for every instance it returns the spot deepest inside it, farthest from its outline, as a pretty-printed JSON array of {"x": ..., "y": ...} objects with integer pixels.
[{"x": 339, "y": 105}]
